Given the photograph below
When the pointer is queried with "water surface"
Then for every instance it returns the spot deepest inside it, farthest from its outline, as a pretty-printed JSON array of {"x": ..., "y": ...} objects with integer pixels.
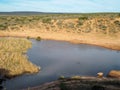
[{"x": 58, "y": 58}]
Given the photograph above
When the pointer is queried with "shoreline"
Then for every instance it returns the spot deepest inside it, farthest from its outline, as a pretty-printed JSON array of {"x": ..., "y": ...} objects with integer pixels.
[
  {"x": 100, "y": 30},
  {"x": 78, "y": 39},
  {"x": 106, "y": 42},
  {"x": 12, "y": 61},
  {"x": 80, "y": 83}
]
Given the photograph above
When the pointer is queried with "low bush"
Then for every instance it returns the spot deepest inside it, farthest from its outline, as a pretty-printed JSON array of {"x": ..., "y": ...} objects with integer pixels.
[
  {"x": 38, "y": 38},
  {"x": 117, "y": 22}
]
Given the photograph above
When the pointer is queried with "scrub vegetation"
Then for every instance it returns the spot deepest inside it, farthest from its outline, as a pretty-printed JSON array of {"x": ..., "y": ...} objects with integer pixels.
[
  {"x": 101, "y": 29},
  {"x": 104, "y": 23},
  {"x": 13, "y": 60}
]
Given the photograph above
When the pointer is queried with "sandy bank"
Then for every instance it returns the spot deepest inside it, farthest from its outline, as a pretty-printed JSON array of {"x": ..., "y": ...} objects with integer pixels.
[{"x": 111, "y": 42}]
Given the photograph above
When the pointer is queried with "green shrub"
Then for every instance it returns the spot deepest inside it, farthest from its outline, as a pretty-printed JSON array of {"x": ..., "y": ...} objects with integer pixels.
[
  {"x": 3, "y": 27},
  {"x": 46, "y": 20},
  {"x": 38, "y": 38},
  {"x": 28, "y": 37},
  {"x": 118, "y": 15},
  {"x": 83, "y": 18}
]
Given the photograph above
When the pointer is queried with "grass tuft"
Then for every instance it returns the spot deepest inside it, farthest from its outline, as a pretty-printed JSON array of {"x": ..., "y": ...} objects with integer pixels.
[
  {"x": 13, "y": 61},
  {"x": 38, "y": 38}
]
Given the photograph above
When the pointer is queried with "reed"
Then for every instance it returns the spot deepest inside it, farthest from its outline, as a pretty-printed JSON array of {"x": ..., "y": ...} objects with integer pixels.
[{"x": 13, "y": 60}]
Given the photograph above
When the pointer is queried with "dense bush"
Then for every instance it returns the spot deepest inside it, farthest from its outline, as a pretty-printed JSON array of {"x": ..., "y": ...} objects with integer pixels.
[{"x": 83, "y": 18}]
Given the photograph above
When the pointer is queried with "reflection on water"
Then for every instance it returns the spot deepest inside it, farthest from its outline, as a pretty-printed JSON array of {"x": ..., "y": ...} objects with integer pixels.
[{"x": 58, "y": 58}]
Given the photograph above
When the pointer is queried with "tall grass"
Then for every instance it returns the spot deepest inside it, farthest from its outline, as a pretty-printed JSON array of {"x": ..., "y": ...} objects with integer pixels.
[{"x": 12, "y": 57}]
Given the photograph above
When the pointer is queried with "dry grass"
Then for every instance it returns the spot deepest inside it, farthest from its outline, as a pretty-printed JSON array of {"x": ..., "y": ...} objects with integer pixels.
[
  {"x": 97, "y": 29},
  {"x": 13, "y": 61},
  {"x": 92, "y": 38}
]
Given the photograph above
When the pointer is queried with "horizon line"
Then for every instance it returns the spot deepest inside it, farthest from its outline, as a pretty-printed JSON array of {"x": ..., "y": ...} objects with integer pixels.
[{"x": 56, "y": 12}]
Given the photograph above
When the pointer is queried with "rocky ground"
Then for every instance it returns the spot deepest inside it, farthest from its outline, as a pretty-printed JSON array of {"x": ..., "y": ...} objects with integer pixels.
[{"x": 81, "y": 83}]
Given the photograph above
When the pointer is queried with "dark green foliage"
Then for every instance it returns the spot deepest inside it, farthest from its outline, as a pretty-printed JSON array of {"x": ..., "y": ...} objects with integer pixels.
[
  {"x": 38, "y": 38},
  {"x": 119, "y": 15},
  {"x": 83, "y": 18},
  {"x": 3, "y": 27},
  {"x": 46, "y": 20}
]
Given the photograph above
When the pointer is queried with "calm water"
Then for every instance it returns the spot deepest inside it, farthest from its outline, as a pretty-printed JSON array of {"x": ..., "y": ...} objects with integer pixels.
[{"x": 58, "y": 58}]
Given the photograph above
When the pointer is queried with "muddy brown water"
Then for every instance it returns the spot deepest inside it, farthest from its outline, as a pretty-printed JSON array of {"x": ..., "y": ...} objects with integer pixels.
[{"x": 58, "y": 58}]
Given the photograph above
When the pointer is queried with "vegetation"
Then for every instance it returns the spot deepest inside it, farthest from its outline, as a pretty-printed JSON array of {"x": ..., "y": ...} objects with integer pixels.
[
  {"x": 38, "y": 38},
  {"x": 101, "y": 29},
  {"x": 28, "y": 37},
  {"x": 46, "y": 20},
  {"x": 117, "y": 22},
  {"x": 69, "y": 22},
  {"x": 83, "y": 18},
  {"x": 13, "y": 60}
]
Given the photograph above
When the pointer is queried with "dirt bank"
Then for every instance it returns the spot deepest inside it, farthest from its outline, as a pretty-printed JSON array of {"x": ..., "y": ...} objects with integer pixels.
[
  {"x": 97, "y": 29},
  {"x": 93, "y": 38}
]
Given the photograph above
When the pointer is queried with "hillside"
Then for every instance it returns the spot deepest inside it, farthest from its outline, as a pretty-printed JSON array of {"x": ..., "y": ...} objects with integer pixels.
[{"x": 99, "y": 28}]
